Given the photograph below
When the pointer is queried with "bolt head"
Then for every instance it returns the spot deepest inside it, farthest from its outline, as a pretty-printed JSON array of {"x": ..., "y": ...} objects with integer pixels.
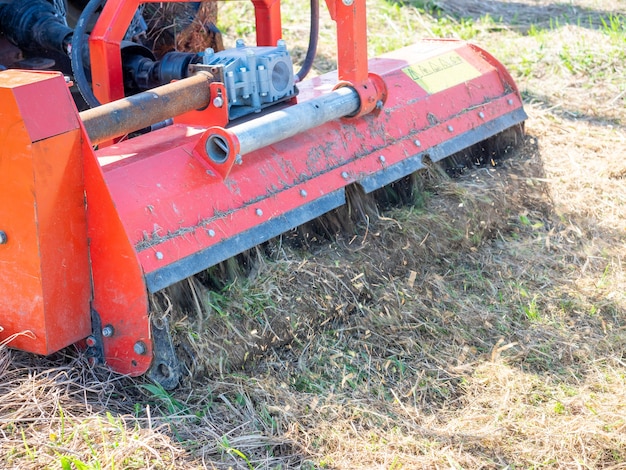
[
  {"x": 347, "y": 2},
  {"x": 417, "y": 143},
  {"x": 140, "y": 348},
  {"x": 344, "y": 175},
  {"x": 158, "y": 255},
  {"x": 107, "y": 331},
  {"x": 450, "y": 128},
  {"x": 211, "y": 232},
  {"x": 3, "y": 238},
  {"x": 382, "y": 159},
  {"x": 303, "y": 193},
  {"x": 218, "y": 102},
  {"x": 481, "y": 115},
  {"x": 509, "y": 101},
  {"x": 259, "y": 212}
]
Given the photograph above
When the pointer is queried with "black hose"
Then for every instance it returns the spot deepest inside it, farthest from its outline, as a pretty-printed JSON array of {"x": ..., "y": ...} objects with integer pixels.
[
  {"x": 313, "y": 38},
  {"x": 76, "y": 54}
]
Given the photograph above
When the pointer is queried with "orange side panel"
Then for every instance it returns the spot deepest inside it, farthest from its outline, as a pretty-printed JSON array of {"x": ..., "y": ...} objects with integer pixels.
[{"x": 46, "y": 287}]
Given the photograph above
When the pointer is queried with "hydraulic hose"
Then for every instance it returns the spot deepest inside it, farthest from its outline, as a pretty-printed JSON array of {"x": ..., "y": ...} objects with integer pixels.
[
  {"x": 313, "y": 39},
  {"x": 76, "y": 53}
]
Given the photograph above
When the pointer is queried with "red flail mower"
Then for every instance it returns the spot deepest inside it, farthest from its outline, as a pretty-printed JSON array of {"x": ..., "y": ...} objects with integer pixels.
[{"x": 177, "y": 164}]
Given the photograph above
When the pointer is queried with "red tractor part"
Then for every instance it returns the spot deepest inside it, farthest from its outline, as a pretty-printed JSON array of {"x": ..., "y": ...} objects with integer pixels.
[{"x": 88, "y": 234}]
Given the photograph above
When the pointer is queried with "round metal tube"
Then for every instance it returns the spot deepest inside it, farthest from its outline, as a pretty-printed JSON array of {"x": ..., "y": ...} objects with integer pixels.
[
  {"x": 149, "y": 107},
  {"x": 280, "y": 125}
]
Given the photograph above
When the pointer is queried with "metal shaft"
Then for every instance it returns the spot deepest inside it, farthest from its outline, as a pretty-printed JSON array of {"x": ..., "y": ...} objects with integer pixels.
[
  {"x": 144, "y": 109},
  {"x": 280, "y": 125}
]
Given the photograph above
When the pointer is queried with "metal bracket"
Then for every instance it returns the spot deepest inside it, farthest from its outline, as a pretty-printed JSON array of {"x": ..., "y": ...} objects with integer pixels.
[
  {"x": 216, "y": 70},
  {"x": 165, "y": 368},
  {"x": 95, "y": 348}
]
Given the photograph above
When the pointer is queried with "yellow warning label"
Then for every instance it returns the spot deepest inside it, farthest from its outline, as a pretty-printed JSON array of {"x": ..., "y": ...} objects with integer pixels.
[{"x": 439, "y": 73}]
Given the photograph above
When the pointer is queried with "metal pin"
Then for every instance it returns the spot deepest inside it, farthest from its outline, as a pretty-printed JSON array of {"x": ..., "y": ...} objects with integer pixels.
[
  {"x": 3, "y": 238},
  {"x": 108, "y": 331}
]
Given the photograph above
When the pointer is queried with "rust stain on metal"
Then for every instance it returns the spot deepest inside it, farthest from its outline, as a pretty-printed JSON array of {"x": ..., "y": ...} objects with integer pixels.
[{"x": 121, "y": 117}]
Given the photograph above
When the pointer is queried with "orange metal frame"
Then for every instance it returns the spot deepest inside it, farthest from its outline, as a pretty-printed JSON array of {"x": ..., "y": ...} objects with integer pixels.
[{"x": 44, "y": 259}]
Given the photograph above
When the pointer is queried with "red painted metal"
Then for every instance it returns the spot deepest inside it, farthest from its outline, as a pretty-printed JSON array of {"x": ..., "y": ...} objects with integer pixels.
[
  {"x": 351, "y": 21},
  {"x": 119, "y": 291},
  {"x": 268, "y": 22},
  {"x": 105, "y": 46},
  {"x": 222, "y": 169},
  {"x": 211, "y": 115},
  {"x": 48, "y": 168},
  {"x": 44, "y": 279},
  {"x": 106, "y": 37},
  {"x": 352, "y": 63}
]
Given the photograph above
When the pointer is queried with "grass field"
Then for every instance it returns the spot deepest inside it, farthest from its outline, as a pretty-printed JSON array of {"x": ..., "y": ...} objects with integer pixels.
[{"x": 484, "y": 326}]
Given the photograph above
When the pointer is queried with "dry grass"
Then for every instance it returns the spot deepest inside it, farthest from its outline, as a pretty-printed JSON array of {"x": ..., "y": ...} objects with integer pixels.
[
  {"x": 483, "y": 327},
  {"x": 522, "y": 14}
]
